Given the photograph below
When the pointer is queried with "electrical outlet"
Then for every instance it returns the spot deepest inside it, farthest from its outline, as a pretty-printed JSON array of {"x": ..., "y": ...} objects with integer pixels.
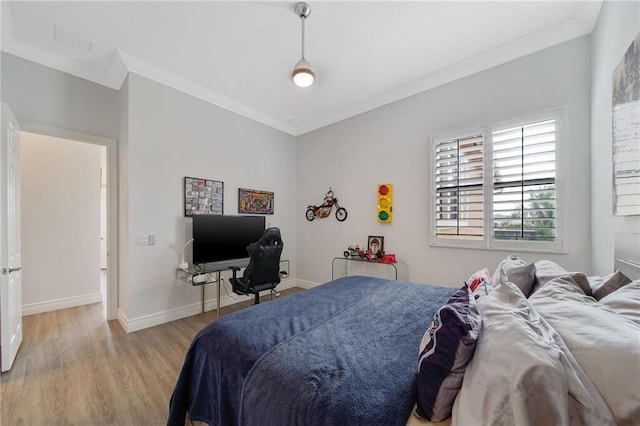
[{"x": 152, "y": 239}]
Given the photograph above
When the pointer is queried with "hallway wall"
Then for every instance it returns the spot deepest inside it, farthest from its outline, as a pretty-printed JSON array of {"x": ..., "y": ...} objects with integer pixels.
[{"x": 60, "y": 223}]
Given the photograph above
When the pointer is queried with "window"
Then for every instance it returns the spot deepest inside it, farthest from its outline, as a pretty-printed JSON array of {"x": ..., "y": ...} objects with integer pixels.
[
  {"x": 460, "y": 187},
  {"x": 498, "y": 186}
]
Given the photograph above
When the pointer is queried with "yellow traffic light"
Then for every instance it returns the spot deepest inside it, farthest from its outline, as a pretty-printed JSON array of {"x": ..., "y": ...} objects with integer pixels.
[{"x": 385, "y": 203}]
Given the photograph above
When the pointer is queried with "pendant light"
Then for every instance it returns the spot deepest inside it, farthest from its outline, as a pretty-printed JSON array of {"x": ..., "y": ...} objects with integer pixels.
[{"x": 303, "y": 74}]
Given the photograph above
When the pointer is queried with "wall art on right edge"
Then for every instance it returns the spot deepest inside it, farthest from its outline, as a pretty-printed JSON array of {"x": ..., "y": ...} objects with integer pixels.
[
  {"x": 626, "y": 132},
  {"x": 255, "y": 202}
]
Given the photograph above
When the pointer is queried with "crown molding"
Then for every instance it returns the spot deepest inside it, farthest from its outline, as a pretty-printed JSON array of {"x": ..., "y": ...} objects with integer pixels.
[
  {"x": 112, "y": 79},
  {"x": 587, "y": 15},
  {"x": 159, "y": 75},
  {"x": 122, "y": 63},
  {"x": 581, "y": 24}
]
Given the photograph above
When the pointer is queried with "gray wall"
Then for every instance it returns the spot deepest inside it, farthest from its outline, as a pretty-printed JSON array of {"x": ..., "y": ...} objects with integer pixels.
[
  {"x": 617, "y": 26},
  {"x": 44, "y": 96},
  {"x": 123, "y": 194},
  {"x": 163, "y": 135},
  {"x": 392, "y": 144},
  {"x": 60, "y": 222},
  {"x": 172, "y": 135}
]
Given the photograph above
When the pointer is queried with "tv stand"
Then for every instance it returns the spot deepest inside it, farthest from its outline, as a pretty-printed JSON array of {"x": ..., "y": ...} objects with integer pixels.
[{"x": 209, "y": 273}]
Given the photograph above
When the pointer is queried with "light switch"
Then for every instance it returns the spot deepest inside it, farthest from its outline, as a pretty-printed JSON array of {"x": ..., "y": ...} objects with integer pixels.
[{"x": 143, "y": 240}]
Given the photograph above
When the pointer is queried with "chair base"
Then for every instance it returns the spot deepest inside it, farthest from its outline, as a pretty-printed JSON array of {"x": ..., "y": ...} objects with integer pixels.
[{"x": 238, "y": 287}]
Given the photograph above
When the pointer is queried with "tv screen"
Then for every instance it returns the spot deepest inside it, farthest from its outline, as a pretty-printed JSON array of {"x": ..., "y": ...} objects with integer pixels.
[{"x": 218, "y": 237}]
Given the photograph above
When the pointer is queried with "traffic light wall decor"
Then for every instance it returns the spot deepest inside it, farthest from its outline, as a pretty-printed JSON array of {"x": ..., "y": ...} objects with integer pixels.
[{"x": 385, "y": 203}]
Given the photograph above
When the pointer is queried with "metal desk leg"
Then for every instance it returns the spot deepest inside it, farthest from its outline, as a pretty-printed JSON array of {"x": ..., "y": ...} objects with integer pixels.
[{"x": 218, "y": 279}]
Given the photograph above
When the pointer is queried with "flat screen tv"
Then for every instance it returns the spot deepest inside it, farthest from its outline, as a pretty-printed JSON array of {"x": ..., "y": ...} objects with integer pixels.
[{"x": 218, "y": 238}]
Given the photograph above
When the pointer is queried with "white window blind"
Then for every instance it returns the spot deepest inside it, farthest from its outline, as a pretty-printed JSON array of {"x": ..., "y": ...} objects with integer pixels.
[
  {"x": 500, "y": 186},
  {"x": 524, "y": 182},
  {"x": 459, "y": 176}
]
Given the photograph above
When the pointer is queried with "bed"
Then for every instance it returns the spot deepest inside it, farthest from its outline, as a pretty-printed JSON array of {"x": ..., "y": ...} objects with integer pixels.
[{"x": 346, "y": 353}]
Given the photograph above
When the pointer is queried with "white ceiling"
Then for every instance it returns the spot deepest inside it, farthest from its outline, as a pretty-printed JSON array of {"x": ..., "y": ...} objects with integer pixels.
[{"x": 240, "y": 54}]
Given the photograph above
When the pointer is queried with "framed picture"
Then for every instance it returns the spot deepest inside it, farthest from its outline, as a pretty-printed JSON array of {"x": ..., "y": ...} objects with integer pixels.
[
  {"x": 203, "y": 196},
  {"x": 626, "y": 132},
  {"x": 375, "y": 244},
  {"x": 255, "y": 202}
]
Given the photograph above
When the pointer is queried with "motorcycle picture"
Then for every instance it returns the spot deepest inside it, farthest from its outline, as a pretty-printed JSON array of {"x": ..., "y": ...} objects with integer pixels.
[{"x": 325, "y": 208}]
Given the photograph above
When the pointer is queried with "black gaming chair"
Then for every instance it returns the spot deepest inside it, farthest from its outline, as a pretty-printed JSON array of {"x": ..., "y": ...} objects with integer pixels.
[{"x": 263, "y": 271}]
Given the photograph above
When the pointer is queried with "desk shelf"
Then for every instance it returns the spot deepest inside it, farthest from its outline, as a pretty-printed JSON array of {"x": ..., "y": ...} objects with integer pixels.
[{"x": 340, "y": 267}]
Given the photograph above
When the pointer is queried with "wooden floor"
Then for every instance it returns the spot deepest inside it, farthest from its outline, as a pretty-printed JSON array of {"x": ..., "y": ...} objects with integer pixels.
[{"x": 75, "y": 368}]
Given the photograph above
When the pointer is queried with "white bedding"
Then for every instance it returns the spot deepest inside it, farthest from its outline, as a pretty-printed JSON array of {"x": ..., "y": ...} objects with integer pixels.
[
  {"x": 604, "y": 342},
  {"x": 559, "y": 357},
  {"x": 625, "y": 302},
  {"x": 522, "y": 373}
]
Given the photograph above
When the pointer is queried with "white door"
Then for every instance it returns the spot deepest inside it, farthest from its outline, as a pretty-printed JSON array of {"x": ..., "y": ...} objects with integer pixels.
[{"x": 10, "y": 260}]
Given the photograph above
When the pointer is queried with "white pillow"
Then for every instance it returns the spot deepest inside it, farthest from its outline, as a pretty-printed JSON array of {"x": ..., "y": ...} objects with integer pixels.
[
  {"x": 518, "y": 272},
  {"x": 521, "y": 372},
  {"x": 606, "y": 346}
]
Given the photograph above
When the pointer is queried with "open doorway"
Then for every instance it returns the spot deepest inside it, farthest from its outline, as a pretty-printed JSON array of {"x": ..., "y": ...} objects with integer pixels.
[{"x": 67, "y": 220}]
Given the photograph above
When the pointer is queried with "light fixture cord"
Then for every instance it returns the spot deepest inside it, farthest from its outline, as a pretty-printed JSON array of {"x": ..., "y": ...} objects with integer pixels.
[{"x": 303, "y": 19}]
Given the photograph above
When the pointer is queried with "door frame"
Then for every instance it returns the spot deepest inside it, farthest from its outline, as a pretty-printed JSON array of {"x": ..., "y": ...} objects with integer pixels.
[{"x": 112, "y": 201}]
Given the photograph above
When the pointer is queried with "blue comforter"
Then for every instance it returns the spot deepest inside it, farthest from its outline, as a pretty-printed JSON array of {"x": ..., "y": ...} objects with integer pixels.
[{"x": 343, "y": 353}]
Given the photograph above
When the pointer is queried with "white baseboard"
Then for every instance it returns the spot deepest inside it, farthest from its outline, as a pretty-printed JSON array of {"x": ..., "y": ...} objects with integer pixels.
[
  {"x": 140, "y": 323},
  {"x": 54, "y": 305},
  {"x": 306, "y": 284}
]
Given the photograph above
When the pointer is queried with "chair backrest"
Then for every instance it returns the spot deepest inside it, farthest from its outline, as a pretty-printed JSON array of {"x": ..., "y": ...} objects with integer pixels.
[{"x": 264, "y": 265}]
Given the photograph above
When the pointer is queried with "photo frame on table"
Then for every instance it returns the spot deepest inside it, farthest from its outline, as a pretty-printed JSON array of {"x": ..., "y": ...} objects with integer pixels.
[
  {"x": 252, "y": 201},
  {"x": 203, "y": 196},
  {"x": 375, "y": 244}
]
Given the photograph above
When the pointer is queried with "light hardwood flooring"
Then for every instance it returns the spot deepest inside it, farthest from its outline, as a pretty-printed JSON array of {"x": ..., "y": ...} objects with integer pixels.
[{"x": 75, "y": 368}]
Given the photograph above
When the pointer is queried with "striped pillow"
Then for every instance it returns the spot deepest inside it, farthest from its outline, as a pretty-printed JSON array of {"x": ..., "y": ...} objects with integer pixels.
[{"x": 446, "y": 348}]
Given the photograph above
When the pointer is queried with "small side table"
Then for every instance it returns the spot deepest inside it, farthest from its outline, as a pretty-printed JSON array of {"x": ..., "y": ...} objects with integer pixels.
[{"x": 399, "y": 269}]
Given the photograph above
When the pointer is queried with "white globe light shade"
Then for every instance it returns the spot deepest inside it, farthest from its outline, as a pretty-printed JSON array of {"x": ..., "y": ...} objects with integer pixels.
[{"x": 303, "y": 74}]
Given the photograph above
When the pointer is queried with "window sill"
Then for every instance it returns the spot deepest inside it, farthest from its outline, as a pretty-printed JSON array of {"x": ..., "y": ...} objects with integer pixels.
[{"x": 513, "y": 248}]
